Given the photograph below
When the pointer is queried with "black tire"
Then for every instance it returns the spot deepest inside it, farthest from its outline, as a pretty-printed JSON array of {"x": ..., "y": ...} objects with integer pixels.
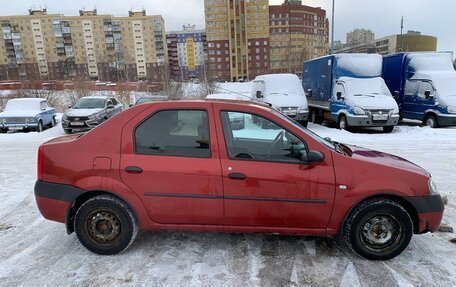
[
  {"x": 388, "y": 129},
  {"x": 315, "y": 118},
  {"x": 380, "y": 220},
  {"x": 39, "y": 128},
  {"x": 105, "y": 225},
  {"x": 304, "y": 123},
  {"x": 53, "y": 122},
  {"x": 431, "y": 121},
  {"x": 68, "y": 131},
  {"x": 343, "y": 124},
  {"x": 3, "y": 131}
]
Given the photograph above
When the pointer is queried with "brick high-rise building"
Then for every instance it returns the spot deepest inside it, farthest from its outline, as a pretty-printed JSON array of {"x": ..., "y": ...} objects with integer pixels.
[
  {"x": 298, "y": 33},
  {"x": 186, "y": 53},
  {"x": 39, "y": 46},
  {"x": 237, "y": 38}
]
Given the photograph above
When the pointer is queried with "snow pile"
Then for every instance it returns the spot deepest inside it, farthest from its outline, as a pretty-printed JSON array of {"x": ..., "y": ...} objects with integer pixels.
[
  {"x": 28, "y": 104},
  {"x": 358, "y": 65}
]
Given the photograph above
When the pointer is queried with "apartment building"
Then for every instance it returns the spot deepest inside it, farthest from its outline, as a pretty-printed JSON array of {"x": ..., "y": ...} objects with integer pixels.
[
  {"x": 237, "y": 38},
  {"x": 41, "y": 46},
  {"x": 297, "y": 33},
  {"x": 187, "y": 53},
  {"x": 360, "y": 36}
]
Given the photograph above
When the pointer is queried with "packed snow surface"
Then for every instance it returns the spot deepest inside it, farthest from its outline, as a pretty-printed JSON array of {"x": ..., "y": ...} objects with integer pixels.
[{"x": 38, "y": 252}]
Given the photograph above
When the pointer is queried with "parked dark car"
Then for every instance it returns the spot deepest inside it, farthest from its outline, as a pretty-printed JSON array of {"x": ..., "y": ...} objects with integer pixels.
[
  {"x": 25, "y": 114},
  {"x": 89, "y": 112},
  {"x": 148, "y": 99},
  {"x": 181, "y": 165}
]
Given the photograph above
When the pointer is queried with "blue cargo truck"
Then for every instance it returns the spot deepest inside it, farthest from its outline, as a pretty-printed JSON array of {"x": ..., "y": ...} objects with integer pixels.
[
  {"x": 348, "y": 89},
  {"x": 424, "y": 86}
]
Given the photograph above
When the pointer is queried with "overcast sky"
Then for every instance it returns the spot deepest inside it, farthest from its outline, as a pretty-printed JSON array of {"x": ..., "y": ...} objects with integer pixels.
[{"x": 383, "y": 17}]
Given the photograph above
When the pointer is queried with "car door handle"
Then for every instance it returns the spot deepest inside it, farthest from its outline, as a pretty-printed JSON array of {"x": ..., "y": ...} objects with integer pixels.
[
  {"x": 134, "y": 169},
  {"x": 237, "y": 176}
]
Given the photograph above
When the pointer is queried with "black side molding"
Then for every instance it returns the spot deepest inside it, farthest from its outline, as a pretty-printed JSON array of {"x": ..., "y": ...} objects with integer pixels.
[
  {"x": 426, "y": 204},
  {"x": 56, "y": 191}
]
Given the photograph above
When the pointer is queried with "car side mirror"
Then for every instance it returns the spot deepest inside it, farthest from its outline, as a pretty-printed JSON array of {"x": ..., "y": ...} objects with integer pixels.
[
  {"x": 259, "y": 95},
  {"x": 396, "y": 95},
  {"x": 339, "y": 95},
  {"x": 428, "y": 95},
  {"x": 70, "y": 106},
  {"x": 312, "y": 157},
  {"x": 309, "y": 93}
]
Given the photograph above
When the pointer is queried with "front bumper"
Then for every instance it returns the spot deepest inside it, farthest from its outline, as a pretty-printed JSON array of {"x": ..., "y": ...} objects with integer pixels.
[
  {"x": 446, "y": 120},
  {"x": 368, "y": 121},
  {"x": 18, "y": 126},
  {"x": 303, "y": 116},
  {"x": 83, "y": 126},
  {"x": 430, "y": 211}
]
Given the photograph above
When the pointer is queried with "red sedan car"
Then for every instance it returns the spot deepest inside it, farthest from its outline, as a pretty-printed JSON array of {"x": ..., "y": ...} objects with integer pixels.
[{"x": 182, "y": 166}]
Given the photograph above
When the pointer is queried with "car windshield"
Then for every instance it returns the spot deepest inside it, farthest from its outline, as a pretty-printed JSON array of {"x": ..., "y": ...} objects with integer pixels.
[
  {"x": 329, "y": 144},
  {"x": 90, "y": 104},
  {"x": 364, "y": 87}
]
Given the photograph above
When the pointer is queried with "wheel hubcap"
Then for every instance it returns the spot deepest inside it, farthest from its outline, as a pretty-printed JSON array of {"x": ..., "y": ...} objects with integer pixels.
[
  {"x": 103, "y": 227},
  {"x": 430, "y": 123},
  {"x": 380, "y": 232},
  {"x": 342, "y": 124}
]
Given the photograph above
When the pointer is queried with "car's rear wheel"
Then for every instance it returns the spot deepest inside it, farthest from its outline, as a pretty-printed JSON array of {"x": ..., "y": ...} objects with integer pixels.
[
  {"x": 315, "y": 117},
  {"x": 53, "y": 122},
  {"x": 378, "y": 229},
  {"x": 105, "y": 225},
  {"x": 39, "y": 128},
  {"x": 3, "y": 131},
  {"x": 304, "y": 123}
]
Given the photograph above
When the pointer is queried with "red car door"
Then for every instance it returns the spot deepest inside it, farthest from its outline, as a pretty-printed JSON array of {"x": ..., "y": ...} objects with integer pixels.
[
  {"x": 265, "y": 183},
  {"x": 170, "y": 159}
]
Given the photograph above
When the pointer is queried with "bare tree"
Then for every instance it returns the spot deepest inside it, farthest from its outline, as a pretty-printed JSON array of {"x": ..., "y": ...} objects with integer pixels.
[{"x": 172, "y": 89}]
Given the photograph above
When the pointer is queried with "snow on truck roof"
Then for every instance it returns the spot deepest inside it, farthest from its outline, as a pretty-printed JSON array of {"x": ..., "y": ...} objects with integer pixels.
[{"x": 430, "y": 62}]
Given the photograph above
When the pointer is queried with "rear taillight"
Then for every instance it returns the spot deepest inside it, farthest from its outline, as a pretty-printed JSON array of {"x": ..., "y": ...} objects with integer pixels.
[{"x": 40, "y": 163}]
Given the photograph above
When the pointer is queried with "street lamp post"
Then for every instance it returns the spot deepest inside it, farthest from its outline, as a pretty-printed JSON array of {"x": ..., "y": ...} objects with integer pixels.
[{"x": 332, "y": 29}]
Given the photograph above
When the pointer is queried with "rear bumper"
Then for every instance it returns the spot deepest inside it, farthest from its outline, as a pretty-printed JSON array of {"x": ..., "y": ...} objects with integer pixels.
[
  {"x": 54, "y": 200},
  {"x": 430, "y": 211}
]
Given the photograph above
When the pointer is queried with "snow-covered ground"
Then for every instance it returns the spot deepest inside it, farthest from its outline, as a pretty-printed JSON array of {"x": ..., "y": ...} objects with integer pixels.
[{"x": 37, "y": 252}]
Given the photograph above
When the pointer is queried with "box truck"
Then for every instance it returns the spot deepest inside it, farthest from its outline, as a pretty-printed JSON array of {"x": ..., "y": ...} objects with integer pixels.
[
  {"x": 424, "y": 86},
  {"x": 349, "y": 90}
]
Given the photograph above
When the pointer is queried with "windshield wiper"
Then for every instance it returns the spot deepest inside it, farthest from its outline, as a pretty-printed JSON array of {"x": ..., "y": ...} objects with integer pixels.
[{"x": 279, "y": 94}]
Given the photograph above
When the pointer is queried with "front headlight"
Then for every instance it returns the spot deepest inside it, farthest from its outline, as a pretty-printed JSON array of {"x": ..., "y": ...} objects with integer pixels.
[
  {"x": 303, "y": 110},
  {"x": 29, "y": 120},
  {"x": 92, "y": 117},
  {"x": 432, "y": 186},
  {"x": 64, "y": 117},
  {"x": 396, "y": 110},
  {"x": 359, "y": 111},
  {"x": 451, "y": 109}
]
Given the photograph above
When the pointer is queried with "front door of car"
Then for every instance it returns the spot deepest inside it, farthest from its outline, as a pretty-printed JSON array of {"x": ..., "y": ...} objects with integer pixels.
[
  {"x": 265, "y": 182},
  {"x": 169, "y": 158},
  {"x": 418, "y": 98}
]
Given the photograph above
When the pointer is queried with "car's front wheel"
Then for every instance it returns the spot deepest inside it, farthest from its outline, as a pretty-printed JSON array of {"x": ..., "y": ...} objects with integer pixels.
[
  {"x": 3, "y": 131},
  {"x": 39, "y": 128},
  {"x": 53, "y": 122},
  {"x": 378, "y": 229},
  {"x": 105, "y": 225}
]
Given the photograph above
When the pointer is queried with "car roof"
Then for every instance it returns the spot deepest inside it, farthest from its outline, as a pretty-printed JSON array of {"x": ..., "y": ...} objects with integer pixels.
[
  {"x": 28, "y": 100},
  {"x": 96, "y": 97}
]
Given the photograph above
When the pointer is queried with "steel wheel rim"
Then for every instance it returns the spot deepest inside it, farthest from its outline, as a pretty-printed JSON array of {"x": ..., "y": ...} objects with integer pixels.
[
  {"x": 430, "y": 122},
  {"x": 342, "y": 124},
  {"x": 380, "y": 232},
  {"x": 103, "y": 227}
]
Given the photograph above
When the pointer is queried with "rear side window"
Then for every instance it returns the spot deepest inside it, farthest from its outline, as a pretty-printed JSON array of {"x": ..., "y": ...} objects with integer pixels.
[{"x": 174, "y": 133}]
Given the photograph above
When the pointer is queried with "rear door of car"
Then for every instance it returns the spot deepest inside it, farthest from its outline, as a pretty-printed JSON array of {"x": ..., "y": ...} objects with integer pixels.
[
  {"x": 170, "y": 159},
  {"x": 265, "y": 183}
]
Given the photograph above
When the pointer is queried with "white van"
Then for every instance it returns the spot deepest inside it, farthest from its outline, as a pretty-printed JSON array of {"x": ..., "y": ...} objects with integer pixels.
[{"x": 283, "y": 91}]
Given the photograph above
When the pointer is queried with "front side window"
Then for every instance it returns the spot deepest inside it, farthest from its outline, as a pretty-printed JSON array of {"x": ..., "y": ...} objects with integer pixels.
[
  {"x": 251, "y": 137},
  {"x": 425, "y": 87},
  {"x": 174, "y": 133}
]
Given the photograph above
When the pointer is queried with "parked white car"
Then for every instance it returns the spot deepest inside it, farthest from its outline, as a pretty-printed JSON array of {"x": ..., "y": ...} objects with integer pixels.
[{"x": 283, "y": 91}]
